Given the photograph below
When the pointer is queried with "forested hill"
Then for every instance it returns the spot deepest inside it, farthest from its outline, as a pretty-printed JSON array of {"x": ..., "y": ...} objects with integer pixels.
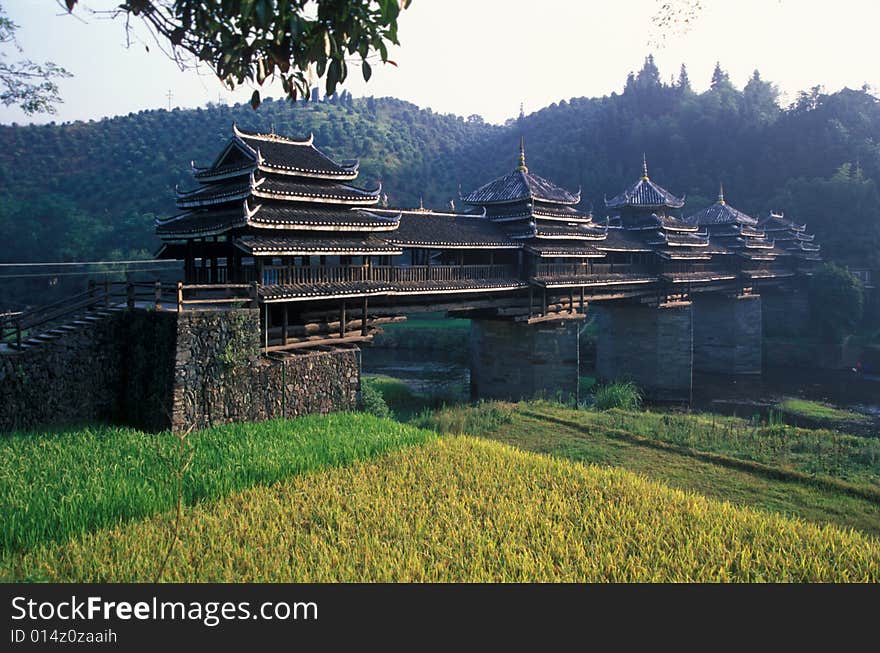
[{"x": 91, "y": 190}]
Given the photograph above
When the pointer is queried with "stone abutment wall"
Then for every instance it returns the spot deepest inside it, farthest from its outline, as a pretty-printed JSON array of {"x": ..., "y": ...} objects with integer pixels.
[{"x": 156, "y": 370}]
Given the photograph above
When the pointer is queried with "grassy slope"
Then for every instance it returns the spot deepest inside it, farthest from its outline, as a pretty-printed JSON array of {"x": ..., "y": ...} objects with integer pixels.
[
  {"x": 613, "y": 438},
  {"x": 464, "y": 509},
  {"x": 819, "y": 411},
  {"x": 56, "y": 485}
]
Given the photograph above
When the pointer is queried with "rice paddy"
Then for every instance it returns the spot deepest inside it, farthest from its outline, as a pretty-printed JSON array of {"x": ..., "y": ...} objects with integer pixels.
[
  {"x": 57, "y": 485},
  {"x": 464, "y": 509}
]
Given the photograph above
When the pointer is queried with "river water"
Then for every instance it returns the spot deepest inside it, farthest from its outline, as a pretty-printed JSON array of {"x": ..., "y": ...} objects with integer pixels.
[{"x": 438, "y": 372}]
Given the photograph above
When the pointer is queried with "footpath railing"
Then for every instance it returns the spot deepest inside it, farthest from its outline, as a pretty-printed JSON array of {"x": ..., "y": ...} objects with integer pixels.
[
  {"x": 14, "y": 327},
  {"x": 279, "y": 275}
]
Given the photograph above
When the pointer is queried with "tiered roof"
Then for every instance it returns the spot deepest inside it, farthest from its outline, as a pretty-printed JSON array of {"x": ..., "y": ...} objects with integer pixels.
[
  {"x": 734, "y": 230},
  {"x": 537, "y": 213},
  {"x": 642, "y": 222},
  {"x": 644, "y": 194},
  {"x": 791, "y": 237},
  {"x": 263, "y": 189}
]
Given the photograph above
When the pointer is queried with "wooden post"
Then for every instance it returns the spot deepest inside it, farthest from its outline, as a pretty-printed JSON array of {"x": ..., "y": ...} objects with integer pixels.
[
  {"x": 284, "y": 325},
  {"x": 570, "y": 300},
  {"x": 158, "y": 293},
  {"x": 531, "y": 300},
  {"x": 545, "y": 302},
  {"x": 582, "y": 300},
  {"x": 254, "y": 294},
  {"x": 342, "y": 320},
  {"x": 180, "y": 297},
  {"x": 364, "y": 318},
  {"x": 129, "y": 295}
]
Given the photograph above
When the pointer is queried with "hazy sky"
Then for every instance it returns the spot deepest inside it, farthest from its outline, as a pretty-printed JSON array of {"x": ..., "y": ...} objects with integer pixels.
[{"x": 487, "y": 56}]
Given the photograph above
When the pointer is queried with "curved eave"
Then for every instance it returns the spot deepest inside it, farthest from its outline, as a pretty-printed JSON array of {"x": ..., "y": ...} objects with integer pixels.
[
  {"x": 206, "y": 175},
  {"x": 596, "y": 238},
  {"x": 317, "y": 251},
  {"x": 560, "y": 218},
  {"x": 349, "y": 175},
  {"x": 449, "y": 245},
  {"x": 183, "y": 203},
  {"x": 321, "y": 226},
  {"x": 469, "y": 199},
  {"x": 370, "y": 198},
  {"x": 564, "y": 253}
]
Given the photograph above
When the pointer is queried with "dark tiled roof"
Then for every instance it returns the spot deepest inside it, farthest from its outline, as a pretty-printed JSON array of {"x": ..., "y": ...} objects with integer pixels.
[
  {"x": 318, "y": 217},
  {"x": 228, "y": 191},
  {"x": 433, "y": 230},
  {"x": 295, "y": 157},
  {"x": 654, "y": 220},
  {"x": 576, "y": 231},
  {"x": 311, "y": 291},
  {"x": 678, "y": 239},
  {"x": 289, "y": 187},
  {"x": 204, "y": 222},
  {"x": 562, "y": 211},
  {"x": 718, "y": 214},
  {"x": 519, "y": 185},
  {"x": 562, "y": 248},
  {"x": 776, "y": 222},
  {"x": 304, "y": 245},
  {"x": 518, "y": 210},
  {"x": 645, "y": 194},
  {"x": 609, "y": 279},
  {"x": 619, "y": 240},
  {"x": 367, "y": 288},
  {"x": 685, "y": 254},
  {"x": 464, "y": 285},
  {"x": 698, "y": 277}
]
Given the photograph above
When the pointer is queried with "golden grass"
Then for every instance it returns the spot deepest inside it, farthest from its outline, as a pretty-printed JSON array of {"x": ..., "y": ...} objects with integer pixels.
[{"x": 464, "y": 509}]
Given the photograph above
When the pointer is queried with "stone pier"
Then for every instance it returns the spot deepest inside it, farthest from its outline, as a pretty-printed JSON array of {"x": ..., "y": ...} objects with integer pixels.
[
  {"x": 651, "y": 347},
  {"x": 515, "y": 361},
  {"x": 786, "y": 312},
  {"x": 727, "y": 334}
]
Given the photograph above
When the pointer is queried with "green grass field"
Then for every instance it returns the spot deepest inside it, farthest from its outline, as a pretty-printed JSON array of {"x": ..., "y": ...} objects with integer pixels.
[
  {"x": 57, "y": 485},
  {"x": 821, "y": 476},
  {"x": 545, "y": 493},
  {"x": 464, "y": 509},
  {"x": 821, "y": 412}
]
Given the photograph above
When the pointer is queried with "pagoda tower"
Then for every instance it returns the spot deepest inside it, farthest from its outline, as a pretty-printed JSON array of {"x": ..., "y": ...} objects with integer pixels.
[
  {"x": 644, "y": 213},
  {"x": 268, "y": 206},
  {"x": 557, "y": 239}
]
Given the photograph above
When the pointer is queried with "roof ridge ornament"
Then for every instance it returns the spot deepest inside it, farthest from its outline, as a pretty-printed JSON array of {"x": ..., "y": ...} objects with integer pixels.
[
  {"x": 522, "y": 155},
  {"x": 645, "y": 176},
  {"x": 721, "y": 193}
]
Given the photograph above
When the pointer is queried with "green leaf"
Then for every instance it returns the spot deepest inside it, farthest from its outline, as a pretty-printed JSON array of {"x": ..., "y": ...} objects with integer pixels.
[
  {"x": 367, "y": 70},
  {"x": 255, "y": 100}
]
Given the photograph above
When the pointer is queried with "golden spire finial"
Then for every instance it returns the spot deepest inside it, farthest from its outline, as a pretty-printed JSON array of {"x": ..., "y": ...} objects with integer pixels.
[
  {"x": 721, "y": 193},
  {"x": 522, "y": 155},
  {"x": 644, "y": 167}
]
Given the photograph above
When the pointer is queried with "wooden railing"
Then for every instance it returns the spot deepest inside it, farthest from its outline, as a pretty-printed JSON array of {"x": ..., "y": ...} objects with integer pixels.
[
  {"x": 292, "y": 275},
  {"x": 567, "y": 270},
  {"x": 117, "y": 295}
]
